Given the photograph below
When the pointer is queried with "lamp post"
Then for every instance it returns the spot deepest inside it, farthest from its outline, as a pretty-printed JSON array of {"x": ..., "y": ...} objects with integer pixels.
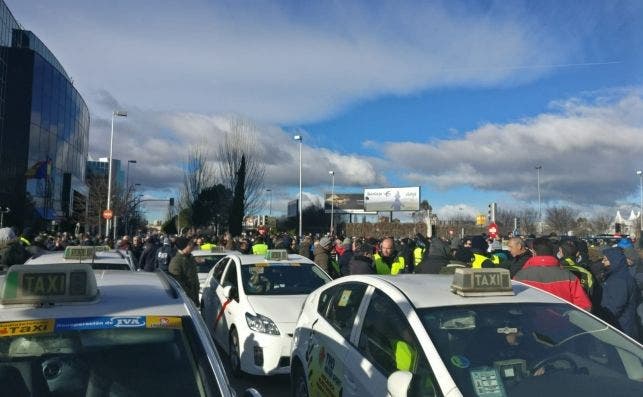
[
  {"x": 269, "y": 201},
  {"x": 115, "y": 113},
  {"x": 299, "y": 138},
  {"x": 127, "y": 189},
  {"x": 540, "y": 213},
  {"x": 332, "y": 200},
  {"x": 640, "y": 174}
]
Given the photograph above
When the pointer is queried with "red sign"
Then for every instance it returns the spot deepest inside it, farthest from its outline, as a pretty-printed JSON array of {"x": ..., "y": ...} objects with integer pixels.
[
  {"x": 108, "y": 214},
  {"x": 492, "y": 230}
]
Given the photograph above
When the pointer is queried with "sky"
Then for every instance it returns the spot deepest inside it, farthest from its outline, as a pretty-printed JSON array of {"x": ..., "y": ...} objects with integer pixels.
[{"x": 461, "y": 98}]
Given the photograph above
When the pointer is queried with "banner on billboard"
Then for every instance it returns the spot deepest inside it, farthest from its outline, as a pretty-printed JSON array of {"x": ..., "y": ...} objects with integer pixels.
[
  {"x": 392, "y": 199},
  {"x": 293, "y": 209},
  {"x": 349, "y": 203}
]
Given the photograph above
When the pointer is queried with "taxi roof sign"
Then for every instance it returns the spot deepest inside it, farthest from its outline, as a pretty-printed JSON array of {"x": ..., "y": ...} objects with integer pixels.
[
  {"x": 277, "y": 255},
  {"x": 42, "y": 284},
  {"x": 83, "y": 252},
  {"x": 481, "y": 282}
]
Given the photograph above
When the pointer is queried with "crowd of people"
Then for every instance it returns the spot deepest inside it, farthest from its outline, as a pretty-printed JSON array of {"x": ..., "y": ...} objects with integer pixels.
[{"x": 604, "y": 280}]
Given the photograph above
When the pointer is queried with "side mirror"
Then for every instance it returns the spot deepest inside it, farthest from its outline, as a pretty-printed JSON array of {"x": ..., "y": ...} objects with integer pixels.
[
  {"x": 227, "y": 291},
  {"x": 251, "y": 392},
  {"x": 398, "y": 383}
]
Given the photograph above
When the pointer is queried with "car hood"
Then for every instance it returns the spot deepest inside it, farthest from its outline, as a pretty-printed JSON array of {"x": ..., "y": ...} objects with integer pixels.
[{"x": 279, "y": 308}]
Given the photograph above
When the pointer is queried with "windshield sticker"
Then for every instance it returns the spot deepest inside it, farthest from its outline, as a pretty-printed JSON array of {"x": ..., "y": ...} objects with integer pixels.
[
  {"x": 82, "y": 323},
  {"x": 460, "y": 361},
  {"x": 487, "y": 382},
  {"x": 13, "y": 328},
  {"x": 343, "y": 300},
  {"x": 163, "y": 322}
]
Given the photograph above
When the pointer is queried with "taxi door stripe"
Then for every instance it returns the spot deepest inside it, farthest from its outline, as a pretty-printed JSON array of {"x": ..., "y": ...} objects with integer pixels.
[{"x": 225, "y": 304}]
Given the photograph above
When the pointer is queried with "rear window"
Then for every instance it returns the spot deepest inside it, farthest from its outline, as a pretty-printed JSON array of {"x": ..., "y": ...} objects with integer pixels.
[
  {"x": 120, "y": 356},
  {"x": 282, "y": 278}
]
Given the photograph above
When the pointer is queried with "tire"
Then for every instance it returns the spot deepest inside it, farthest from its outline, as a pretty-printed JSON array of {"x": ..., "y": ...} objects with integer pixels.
[
  {"x": 299, "y": 385},
  {"x": 233, "y": 353}
]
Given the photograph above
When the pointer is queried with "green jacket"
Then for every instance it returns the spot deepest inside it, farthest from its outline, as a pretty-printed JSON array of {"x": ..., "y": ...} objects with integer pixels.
[{"x": 184, "y": 270}]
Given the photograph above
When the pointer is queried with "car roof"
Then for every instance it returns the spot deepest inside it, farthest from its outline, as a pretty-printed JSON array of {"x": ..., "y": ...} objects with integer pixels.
[
  {"x": 214, "y": 253},
  {"x": 254, "y": 259},
  {"x": 429, "y": 290},
  {"x": 100, "y": 257},
  {"x": 120, "y": 294}
]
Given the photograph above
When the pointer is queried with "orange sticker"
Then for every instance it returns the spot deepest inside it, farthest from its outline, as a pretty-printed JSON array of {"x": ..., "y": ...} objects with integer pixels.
[{"x": 163, "y": 322}]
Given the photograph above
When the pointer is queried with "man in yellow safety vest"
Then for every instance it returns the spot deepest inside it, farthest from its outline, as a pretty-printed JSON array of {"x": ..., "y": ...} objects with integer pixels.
[{"x": 387, "y": 261}]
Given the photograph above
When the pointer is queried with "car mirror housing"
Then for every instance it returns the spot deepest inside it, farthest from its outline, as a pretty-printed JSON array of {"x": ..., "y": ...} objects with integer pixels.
[{"x": 398, "y": 383}]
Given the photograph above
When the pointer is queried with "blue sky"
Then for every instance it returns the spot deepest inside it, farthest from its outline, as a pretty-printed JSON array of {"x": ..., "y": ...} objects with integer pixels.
[{"x": 461, "y": 98}]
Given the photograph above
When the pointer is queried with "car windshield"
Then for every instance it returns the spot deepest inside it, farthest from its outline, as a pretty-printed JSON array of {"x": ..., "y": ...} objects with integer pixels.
[
  {"x": 205, "y": 263},
  {"x": 282, "y": 278},
  {"x": 116, "y": 360},
  {"x": 533, "y": 350}
]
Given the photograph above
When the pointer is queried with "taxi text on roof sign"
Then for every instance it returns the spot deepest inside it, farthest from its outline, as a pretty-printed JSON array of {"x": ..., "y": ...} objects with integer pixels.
[
  {"x": 277, "y": 255},
  {"x": 482, "y": 282},
  {"x": 48, "y": 284},
  {"x": 83, "y": 252}
]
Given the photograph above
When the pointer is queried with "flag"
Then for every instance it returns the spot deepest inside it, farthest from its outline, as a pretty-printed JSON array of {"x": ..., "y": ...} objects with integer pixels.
[{"x": 40, "y": 170}]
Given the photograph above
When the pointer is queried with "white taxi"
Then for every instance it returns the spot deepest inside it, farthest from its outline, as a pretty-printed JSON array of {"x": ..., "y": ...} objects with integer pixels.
[
  {"x": 476, "y": 333},
  {"x": 205, "y": 261},
  {"x": 99, "y": 257},
  {"x": 68, "y": 330},
  {"x": 251, "y": 304}
]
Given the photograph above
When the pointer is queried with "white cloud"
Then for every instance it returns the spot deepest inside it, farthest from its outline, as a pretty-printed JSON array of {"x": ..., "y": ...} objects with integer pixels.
[
  {"x": 287, "y": 64},
  {"x": 456, "y": 211},
  {"x": 589, "y": 152}
]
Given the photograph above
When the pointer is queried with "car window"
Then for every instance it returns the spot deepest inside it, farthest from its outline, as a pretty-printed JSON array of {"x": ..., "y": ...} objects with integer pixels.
[
  {"x": 343, "y": 305},
  {"x": 282, "y": 278},
  {"x": 230, "y": 277},
  {"x": 77, "y": 361},
  {"x": 205, "y": 263},
  {"x": 219, "y": 268},
  {"x": 535, "y": 349},
  {"x": 388, "y": 342}
]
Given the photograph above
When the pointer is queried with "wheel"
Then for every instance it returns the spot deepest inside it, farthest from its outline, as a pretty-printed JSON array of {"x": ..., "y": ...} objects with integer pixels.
[
  {"x": 550, "y": 363},
  {"x": 234, "y": 354},
  {"x": 299, "y": 386}
]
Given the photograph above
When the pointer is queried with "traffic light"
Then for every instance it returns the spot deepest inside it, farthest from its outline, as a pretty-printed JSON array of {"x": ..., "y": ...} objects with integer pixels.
[
  {"x": 492, "y": 213},
  {"x": 172, "y": 201}
]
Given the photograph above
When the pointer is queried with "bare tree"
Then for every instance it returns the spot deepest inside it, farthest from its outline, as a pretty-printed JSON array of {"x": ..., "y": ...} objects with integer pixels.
[
  {"x": 238, "y": 143},
  {"x": 601, "y": 222},
  {"x": 528, "y": 221},
  {"x": 561, "y": 219},
  {"x": 198, "y": 175}
]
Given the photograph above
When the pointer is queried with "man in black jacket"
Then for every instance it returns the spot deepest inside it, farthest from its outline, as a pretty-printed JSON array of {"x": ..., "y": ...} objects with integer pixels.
[
  {"x": 519, "y": 255},
  {"x": 362, "y": 260}
]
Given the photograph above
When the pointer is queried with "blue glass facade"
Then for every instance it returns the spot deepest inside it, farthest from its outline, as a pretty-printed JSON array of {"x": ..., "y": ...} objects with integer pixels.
[{"x": 44, "y": 132}]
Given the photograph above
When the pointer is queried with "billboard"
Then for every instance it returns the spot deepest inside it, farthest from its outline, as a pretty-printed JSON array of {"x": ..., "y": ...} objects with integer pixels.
[
  {"x": 293, "y": 208},
  {"x": 392, "y": 199},
  {"x": 346, "y": 203}
]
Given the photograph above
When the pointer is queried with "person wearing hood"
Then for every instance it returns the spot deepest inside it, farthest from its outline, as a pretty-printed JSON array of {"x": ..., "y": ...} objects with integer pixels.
[
  {"x": 11, "y": 251},
  {"x": 438, "y": 257},
  {"x": 345, "y": 257},
  {"x": 620, "y": 293},
  {"x": 323, "y": 259}
]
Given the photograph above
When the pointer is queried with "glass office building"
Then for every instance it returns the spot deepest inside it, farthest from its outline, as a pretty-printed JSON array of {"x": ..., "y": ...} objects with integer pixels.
[{"x": 44, "y": 133}]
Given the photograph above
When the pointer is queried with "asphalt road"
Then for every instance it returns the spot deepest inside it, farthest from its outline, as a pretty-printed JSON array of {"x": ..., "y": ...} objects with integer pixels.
[{"x": 268, "y": 386}]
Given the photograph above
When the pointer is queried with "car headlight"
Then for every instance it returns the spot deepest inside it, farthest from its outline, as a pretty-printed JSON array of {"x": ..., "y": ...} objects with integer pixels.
[{"x": 261, "y": 324}]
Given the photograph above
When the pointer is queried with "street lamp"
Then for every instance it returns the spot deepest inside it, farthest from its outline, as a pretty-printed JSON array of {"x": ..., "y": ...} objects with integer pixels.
[
  {"x": 540, "y": 212},
  {"x": 269, "y": 202},
  {"x": 332, "y": 200},
  {"x": 299, "y": 138},
  {"x": 640, "y": 174},
  {"x": 127, "y": 173},
  {"x": 115, "y": 113}
]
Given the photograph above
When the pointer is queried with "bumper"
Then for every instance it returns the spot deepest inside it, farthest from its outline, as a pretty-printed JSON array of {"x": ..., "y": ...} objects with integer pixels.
[{"x": 263, "y": 354}]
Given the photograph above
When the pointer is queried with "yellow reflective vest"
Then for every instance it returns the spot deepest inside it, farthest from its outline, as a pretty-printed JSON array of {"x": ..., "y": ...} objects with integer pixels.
[
  {"x": 259, "y": 249},
  {"x": 382, "y": 268},
  {"x": 404, "y": 356},
  {"x": 418, "y": 253},
  {"x": 479, "y": 259},
  {"x": 207, "y": 246}
]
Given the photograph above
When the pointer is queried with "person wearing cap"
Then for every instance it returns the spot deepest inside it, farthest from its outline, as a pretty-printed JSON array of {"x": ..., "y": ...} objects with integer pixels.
[
  {"x": 323, "y": 259},
  {"x": 11, "y": 251},
  {"x": 387, "y": 261},
  {"x": 164, "y": 255},
  {"x": 479, "y": 248}
]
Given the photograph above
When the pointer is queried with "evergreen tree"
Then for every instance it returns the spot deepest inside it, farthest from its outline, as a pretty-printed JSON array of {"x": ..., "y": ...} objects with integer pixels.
[{"x": 236, "y": 212}]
